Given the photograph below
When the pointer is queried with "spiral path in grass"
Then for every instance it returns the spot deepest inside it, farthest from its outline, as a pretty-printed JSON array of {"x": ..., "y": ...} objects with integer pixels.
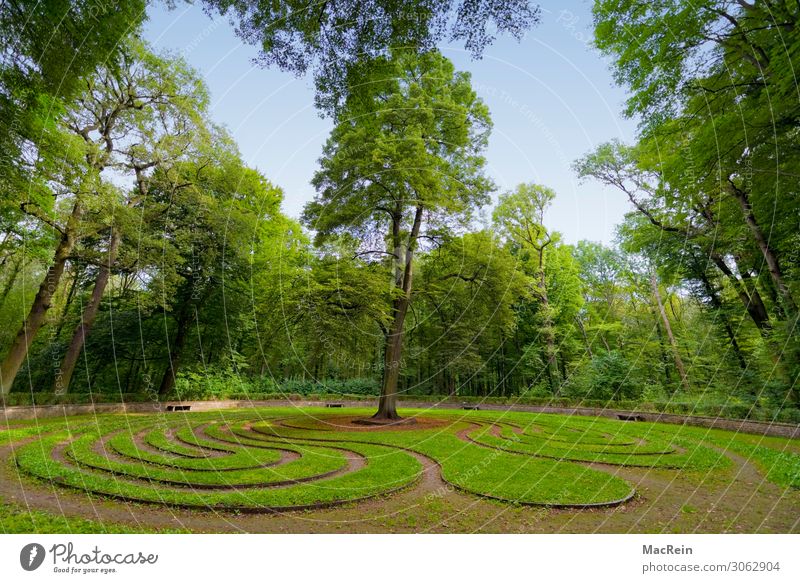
[{"x": 269, "y": 460}]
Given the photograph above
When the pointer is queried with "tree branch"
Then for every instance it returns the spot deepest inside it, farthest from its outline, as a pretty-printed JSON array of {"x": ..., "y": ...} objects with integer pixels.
[{"x": 37, "y": 213}]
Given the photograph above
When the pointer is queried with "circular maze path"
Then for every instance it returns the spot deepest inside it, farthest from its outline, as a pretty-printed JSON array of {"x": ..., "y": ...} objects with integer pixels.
[{"x": 227, "y": 464}]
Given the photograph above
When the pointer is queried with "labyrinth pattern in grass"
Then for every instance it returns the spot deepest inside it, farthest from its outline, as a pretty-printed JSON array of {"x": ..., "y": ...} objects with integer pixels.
[{"x": 268, "y": 460}]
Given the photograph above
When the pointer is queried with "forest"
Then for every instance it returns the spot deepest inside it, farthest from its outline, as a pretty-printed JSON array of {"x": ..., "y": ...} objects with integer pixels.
[{"x": 142, "y": 259}]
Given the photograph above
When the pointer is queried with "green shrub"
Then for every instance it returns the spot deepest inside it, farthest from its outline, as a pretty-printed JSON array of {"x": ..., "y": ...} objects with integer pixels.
[
  {"x": 538, "y": 391},
  {"x": 612, "y": 378},
  {"x": 603, "y": 384}
]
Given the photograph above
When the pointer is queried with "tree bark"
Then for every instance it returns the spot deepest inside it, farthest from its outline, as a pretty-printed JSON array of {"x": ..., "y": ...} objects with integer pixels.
[
  {"x": 67, "y": 303},
  {"x": 62, "y": 380},
  {"x": 750, "y": 298},
  {"x": 387, "y": 403},
  {"x": 771, "y": 259},
  {"x": 751, "y": 287},
  {"x": 662, "y": 350},
  {"x": 41, "y": 303},
  {"x": 670, "y": 336}
]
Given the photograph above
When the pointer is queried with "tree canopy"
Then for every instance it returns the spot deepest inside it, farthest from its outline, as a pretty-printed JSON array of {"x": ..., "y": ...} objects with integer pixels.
[{"x": 334, "y": 38}]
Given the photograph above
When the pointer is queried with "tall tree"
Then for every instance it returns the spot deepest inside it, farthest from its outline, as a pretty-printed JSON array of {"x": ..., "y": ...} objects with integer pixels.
[
  {"x": 68, "y": 174},
  {"x": 158, "y": 105},
  {"x": 403, "y": 164},
  {"x": 217, "y": 214},
  {"x": 724, "y": 87},
  {"x": 48, "y": 51},
  {"x": 520, "y": 216}
]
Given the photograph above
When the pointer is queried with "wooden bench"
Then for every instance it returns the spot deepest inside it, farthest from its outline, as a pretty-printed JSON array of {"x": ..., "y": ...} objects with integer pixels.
[
  {"x": 623, "y": 417},
  {"x": 179, "y": 407},
  {"x": 468, "y": 407},
  {"x": 334, "y": 405}
]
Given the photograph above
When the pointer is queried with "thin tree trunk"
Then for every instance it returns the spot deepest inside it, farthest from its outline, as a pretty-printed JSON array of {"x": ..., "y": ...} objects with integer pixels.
[
  {"x": 664, "y": 358},
  {"x": 12, "y": 278},
  {"x": 562, "y": 365},
  {"x": 67, "y": 303},
  {"x": 675, "y": 353},
  {"x": 522, "y": 380},
  {"x": 132, "y": 368},
  {"x": 168, "y": 380},
  {"x": 62, "y": 380},
  {"x": 501, "y": 368},
  {"x": 734, "y": 344},
  {"x": 549, "y": 332},
  {"x": 585, "y": 337},
  {"x": 771, "y": 259},
  {"x": 716, "y": 303},
  {"x": 316, "y": 366},
  {"x": 41, "y": 303}
]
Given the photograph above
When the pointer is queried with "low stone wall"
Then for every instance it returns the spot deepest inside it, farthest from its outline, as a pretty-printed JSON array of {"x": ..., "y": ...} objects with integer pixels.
[{"x": 743, "y": 426}]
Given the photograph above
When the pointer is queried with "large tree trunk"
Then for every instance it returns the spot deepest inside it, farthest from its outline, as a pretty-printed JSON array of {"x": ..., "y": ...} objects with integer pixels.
[
  {"x": 387, "y": 404},
  {"x": 758, "y": 304},
  {"x": 771, "y": 259},
  {"x": 670, "y": 336},
  {"x": 62, "y": 381},
  {"x": 751, "y": 301},
  {"x": 41, "y": 304}
]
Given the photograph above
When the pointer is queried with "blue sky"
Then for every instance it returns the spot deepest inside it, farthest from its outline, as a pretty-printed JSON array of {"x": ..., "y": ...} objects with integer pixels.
[{"x": 551, "y": 96}]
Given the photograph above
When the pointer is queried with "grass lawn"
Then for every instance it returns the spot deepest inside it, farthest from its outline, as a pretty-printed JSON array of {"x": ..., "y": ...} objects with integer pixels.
[{"x": 279, "y": 459}]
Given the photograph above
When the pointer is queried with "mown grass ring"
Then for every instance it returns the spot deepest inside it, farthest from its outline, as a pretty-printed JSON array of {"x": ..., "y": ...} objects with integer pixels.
[{"x": 270, "y": 460}]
